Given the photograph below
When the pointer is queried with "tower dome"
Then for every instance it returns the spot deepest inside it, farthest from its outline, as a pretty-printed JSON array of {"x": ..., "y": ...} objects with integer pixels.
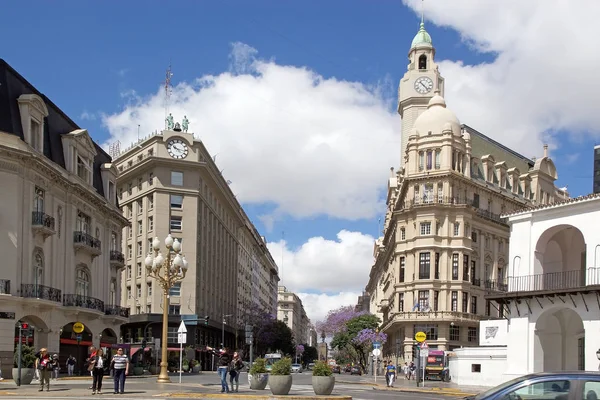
[
  {"x": 422, "y": 38},
  {"x": 437, "y": 119}
]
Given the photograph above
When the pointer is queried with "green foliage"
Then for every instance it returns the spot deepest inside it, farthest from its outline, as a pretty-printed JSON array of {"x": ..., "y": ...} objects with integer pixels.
[
  {"x": 310, "y": 354},
  {"x": 343, "y": 340},
  {"x": 27, "y": 357},
  {"x": 282, "y": 367},
  {"x": 321, "y": 369},
  {"x": 367, "y": 321},
  {"x": 258, "y": 367}
]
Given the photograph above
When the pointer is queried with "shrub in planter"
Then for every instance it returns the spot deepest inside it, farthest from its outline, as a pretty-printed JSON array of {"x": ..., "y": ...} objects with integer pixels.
[
  {"x": 257, "y": 375},
  {"x": 27, "y": 365},
  {"x": 280, "y": 381},
  {"x": 323, "y": 380}
]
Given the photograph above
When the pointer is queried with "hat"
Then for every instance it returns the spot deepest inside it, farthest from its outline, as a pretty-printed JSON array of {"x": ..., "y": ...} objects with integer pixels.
[{"x": 56, "y": 355}]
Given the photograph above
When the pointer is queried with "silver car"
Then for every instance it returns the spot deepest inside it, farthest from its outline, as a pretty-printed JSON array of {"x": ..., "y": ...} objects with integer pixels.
[
  {"x": 578, "y": 385},
  {"x": 296, "y": 368}
]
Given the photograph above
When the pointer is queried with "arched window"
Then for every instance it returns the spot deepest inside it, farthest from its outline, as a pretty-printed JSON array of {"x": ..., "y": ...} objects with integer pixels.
[
  {"x": 38, "y": 268},
  {"x": 82, "y": 282},
  {"x": 112, "y": 294},
  {"x": 423, "y": 61}
]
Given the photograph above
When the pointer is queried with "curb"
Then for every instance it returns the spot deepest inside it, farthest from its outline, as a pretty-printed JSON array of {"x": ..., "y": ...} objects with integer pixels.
[
  {"x": 438, "y": 391},
  {"x": 252, "y": 396}
]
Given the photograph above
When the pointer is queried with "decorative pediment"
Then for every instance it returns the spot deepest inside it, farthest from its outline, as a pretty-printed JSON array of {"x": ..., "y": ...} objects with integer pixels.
[
  {"x": 82, "y": 138},
  {"x": 35, "y": 103}
]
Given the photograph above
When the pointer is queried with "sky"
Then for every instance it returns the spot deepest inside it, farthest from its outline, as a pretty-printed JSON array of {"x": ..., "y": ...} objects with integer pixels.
[{"x": 297, "y": 99}]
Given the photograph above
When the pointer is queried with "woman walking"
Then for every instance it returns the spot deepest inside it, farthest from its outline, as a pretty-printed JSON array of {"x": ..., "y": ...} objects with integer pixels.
[
  {"x": 97, "y": 365},
  {"x": 120, "y": 367},
  {"x": 43, "y": 364},
  {"x": 236, "y": 367}
]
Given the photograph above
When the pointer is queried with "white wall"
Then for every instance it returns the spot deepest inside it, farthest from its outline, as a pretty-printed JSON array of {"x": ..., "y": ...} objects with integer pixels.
[
  {"x": 493, "y": 332},
  {"x": 492, "y": 361}
]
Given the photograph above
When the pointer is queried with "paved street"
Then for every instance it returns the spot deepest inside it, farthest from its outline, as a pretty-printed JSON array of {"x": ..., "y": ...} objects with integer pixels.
[{"x": 207, "y": 385}]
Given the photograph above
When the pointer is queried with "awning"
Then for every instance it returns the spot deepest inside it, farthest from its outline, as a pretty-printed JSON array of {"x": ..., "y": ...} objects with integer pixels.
[{"x": 135, "y": 350}]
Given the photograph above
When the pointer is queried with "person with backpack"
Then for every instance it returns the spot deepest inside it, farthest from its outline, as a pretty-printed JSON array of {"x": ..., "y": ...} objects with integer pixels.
[
  {"x": 236, "y": 367},
  {"x": 43, "y": 364}
]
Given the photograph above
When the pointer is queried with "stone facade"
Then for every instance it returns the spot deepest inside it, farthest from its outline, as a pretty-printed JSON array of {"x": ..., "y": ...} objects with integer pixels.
[{"x": 291, "y": 311}]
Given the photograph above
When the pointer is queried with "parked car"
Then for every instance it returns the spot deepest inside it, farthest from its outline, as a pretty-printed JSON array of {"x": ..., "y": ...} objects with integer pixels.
[
  {"x": 578, "y": 385},
  {"x": 355, "y": 371},
  {"x": 296, "y": 368},
  {"x": 336, "y": 369},
  {"x": 311, "y": 366},
  {"x": 348, "y": 368}
]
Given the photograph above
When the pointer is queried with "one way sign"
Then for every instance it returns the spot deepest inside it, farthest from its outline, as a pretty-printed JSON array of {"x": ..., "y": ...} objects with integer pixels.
[{"x": 182, "y": 328}]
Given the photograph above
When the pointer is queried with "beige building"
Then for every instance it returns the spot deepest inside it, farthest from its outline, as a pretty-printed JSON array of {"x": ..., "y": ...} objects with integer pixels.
[
  {"x": 169, "y": 183},
  {"x": 444, "y": 244},
  {"x": 60, "y": 227},
  {"x": 291, "y": 311}
]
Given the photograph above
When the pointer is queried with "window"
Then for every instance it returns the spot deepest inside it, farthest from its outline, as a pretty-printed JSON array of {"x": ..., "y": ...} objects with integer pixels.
[
  {"x": 423, "y": 61},
  {"x": 437, "y": 159},
  {"x": 475, "y": 200},
  {"x": 474, "y": 237},
  {"x": 175, "y": 289},
  {"x": 138, "y": 309},
  {"x": 138, "y": 290},
  {"x": 431, "y": 330},
  {"x": 129, "y": 212},
  {"x": 120, "y": 193},
  {"x": 84, "y": 169},
  {"x": 140, "y": 206},
  {"x": 175, "y": 224},
  {"x": 151, "y": 202},
  {"x": 114, "y": 241},
  {"x": 83, "y": 223},
  {"x": 38, "y": 200},
  {"x": 150, "y": 179},
  {"x": 454, "y": 333},
  {"x": 401, "y": 302},
  {"x": 465, "y": 268},
  {"x": 174, "y": 309},
  {"x": 423, "y": 300},
  {"x": 129, "y": 232},
  {"x": 424, "y": 265},
  {"x": 129, "y": 292},
  {"x": 476, "y": 368},
  {"x": 402, "y": 233},
  {"x": 473, "y": 304},
  {"x": 402, "y": 268},
  {"x": 456, "y": 228},
  {"x": 112, "y": 293},
  {"x": 488, "y": 308},
  {"x": 130, "y": 188},
  {"x": 436, "y": 300},
  {"x": 176, "y": 201},
  {"x": 454, "y": 266},
  {"x": 429, "y": 159},
  {"x": 465, "y": 302},
  {"x": 149, "y": 288},
  {"x": 176, "y": 178},
  {"x": 428, "y": 194},
  {"x": 421, "y": 160},
  {"x": 139, "y": 185},
  {"x": 425, "y": 228},
  {"x": 140, "y": 229},
  {"x": 35, "y": 135},
  {"x": 82, "y": 282},
  {"x": 436, "y": 271},
  {"x": 139, "y": 269},
  {"x": 129, "y": 272},
  {"x": 454, "y": 301},
  {"x": 543, "y": 390},
  {"x": 581, "y": 354},
  {"x": 129, "y": 251},
  {"x": 150, "y": 223},
  {"x": 38, "y": 268},
  {"x": 472, "y": 334},
  {"x": 148, "y": 308},
  {"x": 139, "y": 249}
]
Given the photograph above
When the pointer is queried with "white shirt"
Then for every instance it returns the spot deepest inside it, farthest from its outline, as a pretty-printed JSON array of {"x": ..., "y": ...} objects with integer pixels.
[{"x": 100, "y": 363}]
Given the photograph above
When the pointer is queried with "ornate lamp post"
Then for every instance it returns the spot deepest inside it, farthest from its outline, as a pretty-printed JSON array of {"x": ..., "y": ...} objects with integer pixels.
[{"x": 167, "y": 271}]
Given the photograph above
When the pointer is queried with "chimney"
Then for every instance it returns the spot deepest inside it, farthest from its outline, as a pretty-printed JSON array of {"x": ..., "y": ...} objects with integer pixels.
[{"x": 545, "y": 150}]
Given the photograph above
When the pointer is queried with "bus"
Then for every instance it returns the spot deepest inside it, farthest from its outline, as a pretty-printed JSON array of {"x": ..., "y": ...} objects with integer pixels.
[
  {"x": 436, "y": 366},
  {"x": 270, "y": 359}
]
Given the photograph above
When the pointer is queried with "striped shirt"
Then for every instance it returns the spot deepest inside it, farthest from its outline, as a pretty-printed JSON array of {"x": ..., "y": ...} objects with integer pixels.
[{"x": 120, "y": 362}]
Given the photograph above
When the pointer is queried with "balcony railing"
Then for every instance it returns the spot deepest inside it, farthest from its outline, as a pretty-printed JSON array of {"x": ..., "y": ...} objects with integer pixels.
[
  {"x": 40, "y": 218},
  {"x": 441, "y": 315},
  {"x": 117, "y": 257},
  {"x": 40, "y": 292},
  {"x": 554, "y": 280},
  {"x": 495, "y": 285},
  {"x": 4, "y": 286},
  {"x": 86, "y": 240},
  {"x": 117, "y": 311},
  {"x": 433, "y": 198},
  {"x": 491, "y": 216},
  {"x": 77, "y": 300},
  {"x": 475, "y": 281}
]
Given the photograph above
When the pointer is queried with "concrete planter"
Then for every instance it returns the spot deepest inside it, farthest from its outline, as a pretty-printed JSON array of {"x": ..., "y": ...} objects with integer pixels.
[
  {"x": 258, "y": 381},
  {"x": 323, "y": 385},
  {"x": 26, "y": 375},
  {"x": 280, "y": 385}
]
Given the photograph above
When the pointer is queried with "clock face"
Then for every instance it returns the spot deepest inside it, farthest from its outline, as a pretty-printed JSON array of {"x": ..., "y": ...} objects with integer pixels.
[
  {"x": 423, "y": 85},
  {"x": 177, "y": 149}
]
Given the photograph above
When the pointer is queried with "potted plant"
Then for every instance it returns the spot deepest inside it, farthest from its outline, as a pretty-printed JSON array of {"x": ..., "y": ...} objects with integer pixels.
[
  {"x": 195, "y": 366},
  {"x": 323, "y": 380},
  {"x": 258, "y": 376},
  {"x": 185, "y": 365},
  {"x": 280, "y": 380},
  {"x": 27, "y": 365}
]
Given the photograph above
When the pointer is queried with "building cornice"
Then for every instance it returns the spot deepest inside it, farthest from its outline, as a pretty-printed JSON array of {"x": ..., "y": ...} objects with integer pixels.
[{"x": 581, "y": 199}]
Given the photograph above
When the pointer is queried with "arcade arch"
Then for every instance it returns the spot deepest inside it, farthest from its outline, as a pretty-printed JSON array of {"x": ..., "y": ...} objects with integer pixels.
[{"x": 559, "y": 341}]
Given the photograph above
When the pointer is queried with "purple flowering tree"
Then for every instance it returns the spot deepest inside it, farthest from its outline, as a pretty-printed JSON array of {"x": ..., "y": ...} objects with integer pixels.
[
  {"x": 336, "y": 320},
  {"x": 299, "y": 351},
  {"x": 366, "y": 337}
]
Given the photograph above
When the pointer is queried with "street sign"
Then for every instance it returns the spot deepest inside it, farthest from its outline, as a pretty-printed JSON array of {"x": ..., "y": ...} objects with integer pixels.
[
  {"x": 248, "y": 329},
  {"x": 181, "y": 338},
  {"x": 424, "y": 345},
  {"x": 420, "y": 337},
  {"x": 78, "y": 338},
  {"x": 376, "y": 352},
  {"x": 249, "y": 340},
  {"x": 425, "y": 352},
  {"x": 78, "y": 327},
  {"x": 376, "y": 345},
  {"x": 182, "y": 328}
]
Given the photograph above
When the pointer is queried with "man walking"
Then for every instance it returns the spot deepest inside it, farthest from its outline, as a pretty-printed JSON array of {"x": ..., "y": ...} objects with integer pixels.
[
  {"x": 120, "y": 367},
  {"x": 71, "y": 361}
]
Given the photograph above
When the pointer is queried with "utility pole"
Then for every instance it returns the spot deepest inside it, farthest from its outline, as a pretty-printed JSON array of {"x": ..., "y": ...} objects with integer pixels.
[{"x": 223, "y": 330}]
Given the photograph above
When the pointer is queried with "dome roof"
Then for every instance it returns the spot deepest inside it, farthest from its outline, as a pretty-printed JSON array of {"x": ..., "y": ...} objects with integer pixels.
[
  {"x": 437, "y": 119},
  {"x": 422, "y": 38}
]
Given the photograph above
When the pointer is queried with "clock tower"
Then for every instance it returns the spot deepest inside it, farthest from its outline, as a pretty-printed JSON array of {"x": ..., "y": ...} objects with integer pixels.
[{"x": 419, "y": 83}]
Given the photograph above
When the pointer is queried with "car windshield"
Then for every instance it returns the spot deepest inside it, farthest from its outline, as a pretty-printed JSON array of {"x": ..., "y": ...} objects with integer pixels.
[
  {"x": 498, "y": 388},
  {"x": 296, "y": 365}
]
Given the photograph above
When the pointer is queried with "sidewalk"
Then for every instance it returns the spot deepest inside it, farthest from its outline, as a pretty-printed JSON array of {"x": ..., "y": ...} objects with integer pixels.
[{"x": 404, "y": 385}]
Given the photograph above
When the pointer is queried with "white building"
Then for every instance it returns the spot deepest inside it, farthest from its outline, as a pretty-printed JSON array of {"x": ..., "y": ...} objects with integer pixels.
[{"x": 552, "y": 297}]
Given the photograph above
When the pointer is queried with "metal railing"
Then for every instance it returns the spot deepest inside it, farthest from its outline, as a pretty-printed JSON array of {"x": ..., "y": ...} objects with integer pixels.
[
  {"x": 554, "y": 280},
  {"x": 117, "y": 311},
  {"x": 445, "y": 315},
  {"x": 42, "y": 292},
  {"x": 4, "y": 286},
  {"x": 475, "y": 281},
  {"x": 433, "y": 198},
  {"x": 495, "y": 285},
  {"x": 77, "y": 300},
  {"x": 87, "y": 239},
  {"x": 116, "y": 255},
  {"x": 40, "y": 218}
]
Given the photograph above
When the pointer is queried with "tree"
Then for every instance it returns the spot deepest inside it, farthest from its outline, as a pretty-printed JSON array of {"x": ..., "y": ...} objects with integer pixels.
[
  {"x": 355, "y": 328},
  {"x": 310, "y": 354},
  {"x": 335, "y": 321},
  {"x": 273, "y": 336}
]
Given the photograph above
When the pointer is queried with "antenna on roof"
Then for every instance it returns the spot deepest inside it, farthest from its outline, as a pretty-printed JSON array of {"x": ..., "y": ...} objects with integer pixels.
[
  {"x": 138, "y": 133},
  {"x": 114, "y": 149},
  {"x": 168, "y": 91}
]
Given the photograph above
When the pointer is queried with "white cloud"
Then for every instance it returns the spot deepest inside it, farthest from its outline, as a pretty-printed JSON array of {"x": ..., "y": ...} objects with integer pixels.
[
  {"x": 338, "y": 269},
  {"x": 284, "y": 135},
  {"x": 543, "y": 78},
  {"x": 87, "y": 116}
]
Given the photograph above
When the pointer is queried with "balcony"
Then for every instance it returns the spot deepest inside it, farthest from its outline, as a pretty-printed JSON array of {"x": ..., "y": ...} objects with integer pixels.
[
  {"x": 4, "y": 286},
  {"x": 412, "y": 316},
  {"x": 495, "y": 285},
  {"x": 117, "y": 311},
  {"x": 117, "y": 259},
  {"x": 86, "y": 242},
  {"x": 76, "y": 300},
  {"x": 40, "y": 292},
  {"x": 431, "y": 199},
  {"x": 475, "y": 281},
  {"x": 42, "y": 223}
]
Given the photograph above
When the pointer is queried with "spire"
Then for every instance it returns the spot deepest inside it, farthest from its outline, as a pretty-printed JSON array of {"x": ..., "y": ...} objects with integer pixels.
[{"x": 422, "y": 38}]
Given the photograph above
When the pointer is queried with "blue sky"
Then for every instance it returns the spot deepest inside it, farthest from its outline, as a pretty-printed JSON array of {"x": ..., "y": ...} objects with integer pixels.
[{"x": 297, "y": 100}]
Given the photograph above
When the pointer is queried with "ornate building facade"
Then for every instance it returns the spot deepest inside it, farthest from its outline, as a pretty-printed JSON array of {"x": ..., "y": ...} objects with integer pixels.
[
  {"x": 444, "y": 243},
  {"x": 291, "y": 311},
  {"x": 60, "y": 227}
]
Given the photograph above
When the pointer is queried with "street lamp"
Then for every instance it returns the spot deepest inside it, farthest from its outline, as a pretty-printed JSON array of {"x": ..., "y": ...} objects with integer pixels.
[
  {"x": 223, "y": 330},
  {"x": 167, "y": 271}
]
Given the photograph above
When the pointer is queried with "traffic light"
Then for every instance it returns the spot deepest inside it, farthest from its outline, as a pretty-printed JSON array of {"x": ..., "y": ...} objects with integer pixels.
[
  {"x": 24, "y": 326},
  {"x": 144, "y": 343},
  {"x": 206, "y": 320}
]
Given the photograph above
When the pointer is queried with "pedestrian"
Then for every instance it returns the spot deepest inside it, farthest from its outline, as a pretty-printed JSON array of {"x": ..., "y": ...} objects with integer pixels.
[
  {"x": 390, "y": 374},
  {"x": 71, "y": 361},
  {"x": 223, "y": 366},
  {"x": 97, "y": 365},
  {"x": 120, "y": 367},
  {"x": 92, "y": 353},
  {"x": 55, "y": 367},
  {"x": 43, "y": 364},
  {"x": 236, "y": 367}
]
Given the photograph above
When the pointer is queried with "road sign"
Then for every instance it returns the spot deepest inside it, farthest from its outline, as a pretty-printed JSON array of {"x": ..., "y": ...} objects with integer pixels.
[
  {"x": 78, "y": 338},
  {"x": 249, "y": 329},
  {"x": 78, "y": 327},
  {"x": 182, "y": 328},
  {"x": 420, "y": 337},
  {"x": 376, "y": 352},
  {"x": 424, "y": 345},
  {"x": 376, "y": 345},
  {"x": 425, "y": 352},
  {"x": 181, "y": 338}
]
